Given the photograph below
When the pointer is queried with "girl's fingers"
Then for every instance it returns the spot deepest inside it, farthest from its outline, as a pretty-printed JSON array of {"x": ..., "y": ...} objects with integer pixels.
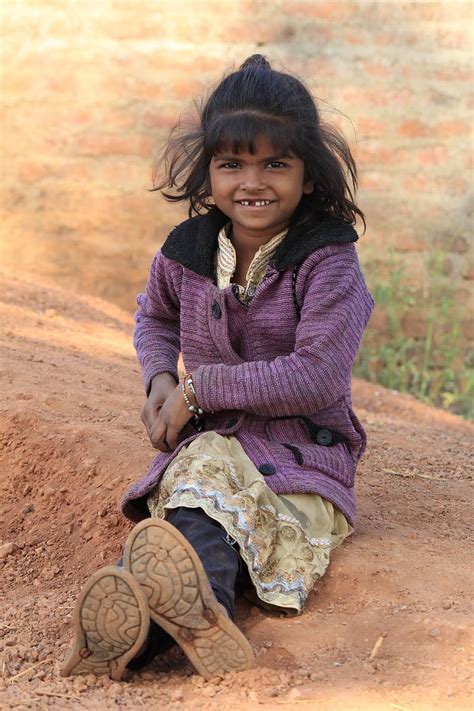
[
  {"x": 172, "y": 438},
  {"x": 162, "y": 445},
  {"x": 150, "y": 419},
  {"x": 158, "y": 436},
  {"x": 149, "y": 414},
  {"x": 165, "y": 424}
]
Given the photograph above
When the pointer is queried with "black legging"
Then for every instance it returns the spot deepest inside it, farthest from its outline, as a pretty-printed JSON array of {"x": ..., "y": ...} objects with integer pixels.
[{"x": 221, "y": 560}]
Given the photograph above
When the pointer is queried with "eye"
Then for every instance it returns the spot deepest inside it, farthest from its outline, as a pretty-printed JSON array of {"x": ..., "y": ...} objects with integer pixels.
[
  {"x": 231, "y": 165},
  {"x": 277, "y": 164}
]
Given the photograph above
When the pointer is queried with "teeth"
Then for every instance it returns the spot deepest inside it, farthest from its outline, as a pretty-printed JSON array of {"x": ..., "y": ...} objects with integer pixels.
[{"x": 256, "y": 203}]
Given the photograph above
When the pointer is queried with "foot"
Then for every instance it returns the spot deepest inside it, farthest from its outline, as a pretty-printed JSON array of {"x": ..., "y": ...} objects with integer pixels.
[
  {"x": 181, "y": 600},
  {"x": 111, "y": 622}
]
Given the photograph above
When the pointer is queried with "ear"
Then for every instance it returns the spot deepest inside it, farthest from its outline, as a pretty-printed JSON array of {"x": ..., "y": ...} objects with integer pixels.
[{"x": 308, "y": 187}]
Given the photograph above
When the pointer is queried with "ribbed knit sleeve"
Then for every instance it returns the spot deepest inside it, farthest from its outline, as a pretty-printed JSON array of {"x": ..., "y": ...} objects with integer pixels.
[
  {"x": 157, "y": 330},
  {"x": 335, "y": 311}
]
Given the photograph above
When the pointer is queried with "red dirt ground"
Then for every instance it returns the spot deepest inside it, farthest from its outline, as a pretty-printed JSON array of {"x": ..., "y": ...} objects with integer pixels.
[{"x": 387, "y": 628}]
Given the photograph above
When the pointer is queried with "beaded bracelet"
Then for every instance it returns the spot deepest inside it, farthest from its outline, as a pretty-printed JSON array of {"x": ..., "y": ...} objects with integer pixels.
[
  {"x": 189, "y": 380},
  {"x": 198, "y": 411}
]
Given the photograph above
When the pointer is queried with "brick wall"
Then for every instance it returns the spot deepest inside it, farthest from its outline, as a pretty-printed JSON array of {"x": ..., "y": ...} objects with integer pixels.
[{"x": 90, "y": 88}]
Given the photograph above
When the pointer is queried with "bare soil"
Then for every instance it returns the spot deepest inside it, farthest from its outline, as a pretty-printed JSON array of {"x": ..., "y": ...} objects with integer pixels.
[{"x": 387, "y": 628}]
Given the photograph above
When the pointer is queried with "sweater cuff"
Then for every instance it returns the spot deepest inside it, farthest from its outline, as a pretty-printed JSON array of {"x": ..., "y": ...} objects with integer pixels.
[{"x": 205, "y": 381}]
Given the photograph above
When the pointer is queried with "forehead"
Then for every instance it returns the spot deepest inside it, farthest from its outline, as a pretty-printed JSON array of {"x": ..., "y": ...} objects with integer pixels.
[{"x": 261, "y": 145}]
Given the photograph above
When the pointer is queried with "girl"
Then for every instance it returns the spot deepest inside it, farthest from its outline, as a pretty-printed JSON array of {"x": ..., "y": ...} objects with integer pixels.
[{"x": 263, "y": 294}]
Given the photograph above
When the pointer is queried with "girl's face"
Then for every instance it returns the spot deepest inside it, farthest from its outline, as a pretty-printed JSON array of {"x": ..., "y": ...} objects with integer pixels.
[{"x": 258, "y": 192}]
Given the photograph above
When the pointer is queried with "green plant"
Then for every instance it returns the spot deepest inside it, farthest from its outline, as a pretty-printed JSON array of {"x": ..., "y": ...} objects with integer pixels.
[{"x": 435, "y": 365}]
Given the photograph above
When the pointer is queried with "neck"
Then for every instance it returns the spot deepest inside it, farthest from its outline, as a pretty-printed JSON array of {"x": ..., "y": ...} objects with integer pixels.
[{"x": 247, "y": 244}]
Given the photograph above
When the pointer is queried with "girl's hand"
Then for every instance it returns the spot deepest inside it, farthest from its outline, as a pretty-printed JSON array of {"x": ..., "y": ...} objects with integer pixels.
[
  {"x": 161, "y": 388},
  {"x": 171, "y": 419}
]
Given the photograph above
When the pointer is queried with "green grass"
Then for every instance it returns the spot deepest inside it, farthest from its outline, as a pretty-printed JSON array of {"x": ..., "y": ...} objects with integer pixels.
[{"x": 437, "y": 366}]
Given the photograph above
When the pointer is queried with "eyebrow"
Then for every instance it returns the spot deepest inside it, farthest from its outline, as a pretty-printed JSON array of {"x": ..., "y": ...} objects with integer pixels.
[{"x": 267, "y": 159}]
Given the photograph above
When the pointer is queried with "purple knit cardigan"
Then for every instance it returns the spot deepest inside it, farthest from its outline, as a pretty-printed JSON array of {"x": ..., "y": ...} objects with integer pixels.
[{"x": 264, "y": 373}]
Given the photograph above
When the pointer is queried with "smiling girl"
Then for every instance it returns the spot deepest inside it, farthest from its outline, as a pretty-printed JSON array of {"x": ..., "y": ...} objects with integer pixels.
[{"x": 262, "y": 293}]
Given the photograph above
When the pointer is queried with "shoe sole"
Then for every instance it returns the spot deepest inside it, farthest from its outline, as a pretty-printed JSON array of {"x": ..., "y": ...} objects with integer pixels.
[
  {"x": 111, "y": 622},
  {"x": 181, "y": 600}
]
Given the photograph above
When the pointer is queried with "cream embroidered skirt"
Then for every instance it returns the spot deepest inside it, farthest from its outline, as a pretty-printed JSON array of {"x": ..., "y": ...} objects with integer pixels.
[{"x": 284, "y": 540}]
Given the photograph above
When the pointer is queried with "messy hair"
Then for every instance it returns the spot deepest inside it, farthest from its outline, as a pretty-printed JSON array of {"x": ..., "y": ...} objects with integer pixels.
[{"x": 253, "y": 101}]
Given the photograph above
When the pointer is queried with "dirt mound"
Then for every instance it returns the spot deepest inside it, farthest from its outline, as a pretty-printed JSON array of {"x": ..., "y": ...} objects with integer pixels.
[{"x": 386, "y": 628}]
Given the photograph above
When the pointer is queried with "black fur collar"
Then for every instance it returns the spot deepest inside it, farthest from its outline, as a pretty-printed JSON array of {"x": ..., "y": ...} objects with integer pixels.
[{"x": 193, "y": 243}]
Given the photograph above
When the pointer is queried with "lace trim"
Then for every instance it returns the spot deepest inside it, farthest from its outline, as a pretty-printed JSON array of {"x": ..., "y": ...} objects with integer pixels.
[{"x": 273, "y": 585}]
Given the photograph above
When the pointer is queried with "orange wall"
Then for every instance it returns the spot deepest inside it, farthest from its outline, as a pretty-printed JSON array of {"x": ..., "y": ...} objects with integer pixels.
[{"x": 89, "y": 89}]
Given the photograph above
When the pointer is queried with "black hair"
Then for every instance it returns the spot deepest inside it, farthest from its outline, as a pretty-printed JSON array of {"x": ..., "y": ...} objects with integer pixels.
[{"x": 247, "y": 103}]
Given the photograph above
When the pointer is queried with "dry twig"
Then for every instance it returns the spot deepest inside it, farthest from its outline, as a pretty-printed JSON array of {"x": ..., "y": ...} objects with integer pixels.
[
  {"x": 413, "y": 475},
  {"x": 57, "y": 695},
  {"x": 297, "y": 701},
  {"x": 17, "y": 676},
  {"x": 405, "y": 475},
  {"x": 376, "y": 648}
]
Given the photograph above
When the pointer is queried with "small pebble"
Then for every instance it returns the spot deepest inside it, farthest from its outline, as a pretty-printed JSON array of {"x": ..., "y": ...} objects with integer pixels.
[
  {"x": 147, "y": 676},
  {"x": 177, "y": 695},
  {"x": 303, "y": 673},
  {"x": 208, "y": 691},
  {"x": 293, "y": 694},
  {"x": 6, "y": 549},
  {"x": 114, "y": 689}
]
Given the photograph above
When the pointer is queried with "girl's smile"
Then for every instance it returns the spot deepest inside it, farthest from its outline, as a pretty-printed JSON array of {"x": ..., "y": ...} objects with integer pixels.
[
  {"x": 258, "y": 191},
  {"x": 255, "y": 203}
]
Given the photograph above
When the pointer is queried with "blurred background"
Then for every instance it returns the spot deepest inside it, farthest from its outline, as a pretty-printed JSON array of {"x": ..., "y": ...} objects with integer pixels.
[{"x": 90, "y": 89}]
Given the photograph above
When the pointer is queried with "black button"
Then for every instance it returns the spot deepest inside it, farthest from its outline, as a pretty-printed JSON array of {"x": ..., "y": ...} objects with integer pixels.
[
  {"x": 231, "y": 423},
  {"x": 216, "y": 310},
  {"x": 324, "y": 438},
  {"x": 266, "y": 469}
]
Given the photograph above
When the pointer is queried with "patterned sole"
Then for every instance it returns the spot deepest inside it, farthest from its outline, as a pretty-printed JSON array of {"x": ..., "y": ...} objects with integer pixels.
[
  {"x": 111, "y": 622},
  {"x": 181, "y": 600}
]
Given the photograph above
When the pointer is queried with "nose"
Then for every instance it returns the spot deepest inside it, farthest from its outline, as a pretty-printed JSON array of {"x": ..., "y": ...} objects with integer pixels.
[{"x": 252, "y": 179}]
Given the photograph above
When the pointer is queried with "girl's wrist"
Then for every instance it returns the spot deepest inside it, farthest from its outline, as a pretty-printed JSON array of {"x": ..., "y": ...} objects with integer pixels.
[{"x": 165, "y": 376}]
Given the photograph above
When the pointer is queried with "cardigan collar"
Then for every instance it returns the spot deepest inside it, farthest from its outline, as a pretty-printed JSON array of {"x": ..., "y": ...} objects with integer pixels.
[{"x": 193, "y": 243}]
